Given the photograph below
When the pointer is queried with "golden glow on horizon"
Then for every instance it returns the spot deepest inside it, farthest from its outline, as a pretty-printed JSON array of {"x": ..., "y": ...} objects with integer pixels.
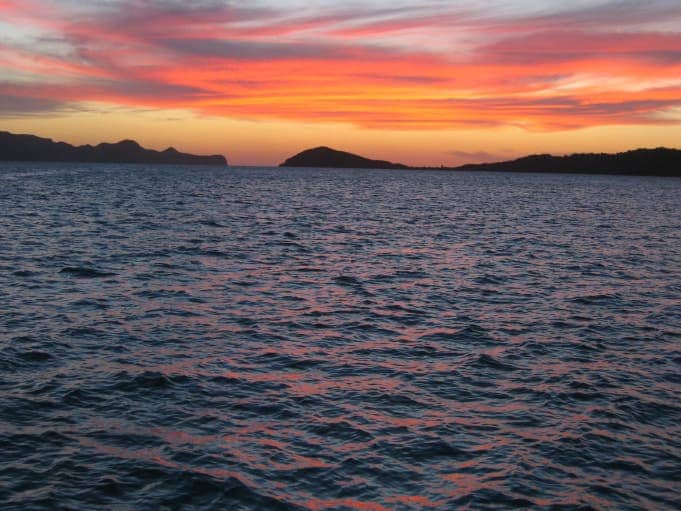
[
  {"x": 424, "y": 85},
  {"x": 270, "y": 142}
]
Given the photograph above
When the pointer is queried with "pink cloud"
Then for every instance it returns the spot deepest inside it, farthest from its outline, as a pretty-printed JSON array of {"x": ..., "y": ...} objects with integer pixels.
[{"x": 381, "y": 68}]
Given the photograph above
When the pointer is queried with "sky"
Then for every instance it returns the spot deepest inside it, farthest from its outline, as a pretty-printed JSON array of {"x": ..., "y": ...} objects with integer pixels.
[{"x": 427, "y": 82}]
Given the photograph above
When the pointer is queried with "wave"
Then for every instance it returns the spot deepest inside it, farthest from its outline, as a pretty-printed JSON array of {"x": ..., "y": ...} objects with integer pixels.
[{"x": 85, "y": 272}]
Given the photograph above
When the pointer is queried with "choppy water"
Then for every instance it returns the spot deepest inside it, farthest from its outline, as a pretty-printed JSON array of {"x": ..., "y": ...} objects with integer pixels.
[{"x": 258, "y": 339}]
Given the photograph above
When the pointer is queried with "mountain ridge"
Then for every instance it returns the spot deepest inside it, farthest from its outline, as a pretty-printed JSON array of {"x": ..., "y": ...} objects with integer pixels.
[
  {"x": 22, "y": 147},
  {"x": 659, "y": 161}
]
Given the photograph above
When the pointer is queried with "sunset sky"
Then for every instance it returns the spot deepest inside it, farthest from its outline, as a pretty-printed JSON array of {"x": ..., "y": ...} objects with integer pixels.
[{"x": 422, "y": 82}]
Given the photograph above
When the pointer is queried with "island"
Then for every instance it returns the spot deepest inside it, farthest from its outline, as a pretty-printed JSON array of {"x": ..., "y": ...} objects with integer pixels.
[
  {"x": 15, "y": 147},
  {"x": 326, "y": 157},
  {"x": 643, "y": 162}
]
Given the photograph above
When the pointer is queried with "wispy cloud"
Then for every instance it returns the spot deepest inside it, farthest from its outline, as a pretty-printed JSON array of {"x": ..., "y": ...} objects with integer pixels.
[
  {"x": 22, "y": 106},
  {"x": 404, "y": 65},
  {"x": 462, "y": 157}
]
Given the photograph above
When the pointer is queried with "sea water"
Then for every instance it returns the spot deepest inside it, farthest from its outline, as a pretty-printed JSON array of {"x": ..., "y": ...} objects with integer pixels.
[{"x": 262, "y": 338}]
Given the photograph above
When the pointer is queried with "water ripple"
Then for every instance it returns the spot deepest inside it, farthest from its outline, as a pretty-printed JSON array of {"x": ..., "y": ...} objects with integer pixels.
[{"x": 258, "y": 339}]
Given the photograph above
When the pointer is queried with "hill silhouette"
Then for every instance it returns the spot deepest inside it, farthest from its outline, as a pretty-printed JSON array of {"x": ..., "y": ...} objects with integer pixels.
[
  {"x": 648, "y": 162},
  {"x": 326, "y": 157},
  {"x": 31, "y": 148},
  {"x": 644, "y": 162}
]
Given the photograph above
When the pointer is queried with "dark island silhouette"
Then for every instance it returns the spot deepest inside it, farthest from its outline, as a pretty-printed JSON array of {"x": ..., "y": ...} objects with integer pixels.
[
  {"x": 31, "y": 148},
  {"x": 642, "y": 162},
  {"x": 331, "y": 158}
]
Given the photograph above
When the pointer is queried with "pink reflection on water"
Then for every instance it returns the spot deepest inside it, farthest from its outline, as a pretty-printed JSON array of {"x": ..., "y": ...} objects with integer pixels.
[
  {"x": 414, "y": 500},
  {"x": 272, "y": 377},
  {"x": 466, "y": 483},
  {"x": 320, "y": 505},
  {"x": 252, "y": 445},
  {"x": 153, "y": 455}
]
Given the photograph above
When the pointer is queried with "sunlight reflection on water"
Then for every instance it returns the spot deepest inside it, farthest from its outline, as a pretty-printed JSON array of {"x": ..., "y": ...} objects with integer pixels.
[{"x": 310, "y": 339}]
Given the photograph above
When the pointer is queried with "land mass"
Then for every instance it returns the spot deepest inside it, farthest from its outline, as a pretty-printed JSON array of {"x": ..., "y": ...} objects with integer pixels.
[
  {"x": 330, "y": 158},
  {"x": 31, "y": 148},
  {"x": 643, "y": 162}
]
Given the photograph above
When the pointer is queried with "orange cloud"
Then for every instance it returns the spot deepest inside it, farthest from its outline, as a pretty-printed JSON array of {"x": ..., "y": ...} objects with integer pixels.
[{"x": 384, "y": 68}]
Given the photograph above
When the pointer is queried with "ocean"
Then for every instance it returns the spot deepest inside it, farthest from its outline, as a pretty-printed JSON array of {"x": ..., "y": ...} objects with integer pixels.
[{"x": 310, "y": 339}]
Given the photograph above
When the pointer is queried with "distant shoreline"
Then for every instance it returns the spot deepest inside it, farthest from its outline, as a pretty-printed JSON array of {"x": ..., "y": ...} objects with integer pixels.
[
  {"x": 639, "y": 162},
  {"x": 25, "y": 148},
  {"x": 662, "y": 162}
]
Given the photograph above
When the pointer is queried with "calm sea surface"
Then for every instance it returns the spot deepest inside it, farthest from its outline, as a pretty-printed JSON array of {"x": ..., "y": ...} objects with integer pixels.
[{"x": 256, "y": 339}]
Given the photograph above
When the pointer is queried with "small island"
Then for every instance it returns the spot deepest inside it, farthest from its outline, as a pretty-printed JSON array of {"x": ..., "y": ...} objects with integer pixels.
[
  {"x": 31, "y": 148},
  {"x": 326, "y": 157},
  {"x": 640, "y": 162}
]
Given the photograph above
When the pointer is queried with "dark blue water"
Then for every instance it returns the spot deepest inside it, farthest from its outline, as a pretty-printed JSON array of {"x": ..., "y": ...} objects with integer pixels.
[{"x": 256, "y": 339}]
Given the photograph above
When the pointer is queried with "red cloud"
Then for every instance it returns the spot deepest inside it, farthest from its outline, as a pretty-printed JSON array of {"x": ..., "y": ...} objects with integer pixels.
[{"x": 383, "y": 68}]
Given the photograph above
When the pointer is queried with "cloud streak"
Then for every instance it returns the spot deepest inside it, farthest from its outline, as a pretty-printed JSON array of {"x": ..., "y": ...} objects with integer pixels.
[{"x": 419, "y": 65}]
